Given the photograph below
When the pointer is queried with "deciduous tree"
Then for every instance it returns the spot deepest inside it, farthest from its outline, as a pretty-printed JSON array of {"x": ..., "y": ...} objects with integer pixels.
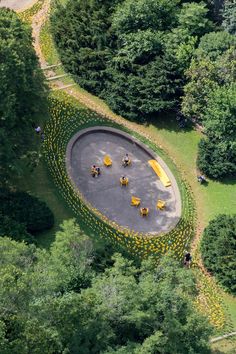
[{"x": 22, "y": 91}]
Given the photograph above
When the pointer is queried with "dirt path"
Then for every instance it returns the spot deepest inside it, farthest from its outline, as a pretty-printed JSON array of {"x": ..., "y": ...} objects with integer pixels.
[{"x": 37, "y": 22}]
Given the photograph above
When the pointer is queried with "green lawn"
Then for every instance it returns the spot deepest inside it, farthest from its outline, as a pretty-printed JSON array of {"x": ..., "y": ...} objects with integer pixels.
[
  {"x": 230, "y": 302},
  {"x": 226, "y": 346},
  {"x": 213, "y": 199}
]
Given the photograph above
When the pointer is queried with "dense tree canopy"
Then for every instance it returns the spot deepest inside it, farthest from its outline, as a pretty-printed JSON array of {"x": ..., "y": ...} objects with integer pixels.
[
  {"x": 131, "y": 53},
  {"x": 218, "y": 248},
  {"x": 54, "y": 302},
  {"x": 142, "y": 56},
  {"x": 213, "y": 65},
  {"x": 132, "y": 16},
  {"x": 22, "y": 90},
  {"x": 229, "y": 16},
  {"x": 217, "y": 153},
  {"x": 193, "y": 18},
  {"x": 209, "y": 98},
  {"x": 15, "y": 229}
]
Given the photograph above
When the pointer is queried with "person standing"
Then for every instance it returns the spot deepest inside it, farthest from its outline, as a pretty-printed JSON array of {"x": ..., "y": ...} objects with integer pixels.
[{"x": 187, "y": 260}]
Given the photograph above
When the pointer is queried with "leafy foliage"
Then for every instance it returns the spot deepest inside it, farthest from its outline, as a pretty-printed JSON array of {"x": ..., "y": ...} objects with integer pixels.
[
  {"x": 128, "y": 309},
  {"x": 84, "y": 45},
  {"x": 218, "y": 248},
  {"x": 213, "y": 65},
  {"x": 131, "y": 53},
  {"x": 217, "y": 153},
  {"x": 193, "y": 18},
  {"x": 11, "y": 228},
  {"x": 22, "y": 91},
  {"x": 26, "y": 209},
  {"x": 131, "y": 16},
  {"x": 229, "y": 16}
]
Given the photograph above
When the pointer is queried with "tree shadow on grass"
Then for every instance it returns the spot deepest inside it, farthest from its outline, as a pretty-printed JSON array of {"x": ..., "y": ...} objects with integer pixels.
[
  {"x": 168, "y": 121},
  {"x": 231, "y": 181}
]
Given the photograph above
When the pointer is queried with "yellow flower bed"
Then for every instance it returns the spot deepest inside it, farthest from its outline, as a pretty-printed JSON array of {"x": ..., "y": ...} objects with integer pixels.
[{"x": 209, "y": 301}]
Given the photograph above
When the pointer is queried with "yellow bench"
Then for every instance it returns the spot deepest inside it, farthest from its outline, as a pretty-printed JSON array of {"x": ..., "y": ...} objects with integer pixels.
[
  {"x": 135, "y": 201},
  {"x": 161, "y": 204},
  {"x": 160, "y": 173},
  {"x": 107, "y": 160}
]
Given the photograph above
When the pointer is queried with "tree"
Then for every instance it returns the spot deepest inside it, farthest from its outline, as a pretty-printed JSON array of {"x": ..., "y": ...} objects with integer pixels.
[
  {"x": 144, "y": 90},
  {"x": 144, "y": 311},
  {"x": 22, "y": 89},
  {"x": 218, "y": 247},
  {"x": 14, "y": 229},
  {"x": 212, "y": 45},
  {"x": 213, "y": 65},
  {"x": 37, "y": 309},
  {"x": 26, "y": 209},
  {"x": 131, "y": 53},
  {"x": 215, "y": 7},
  {"x": 193, "y": 18},
  {"x": 134, "y": 15},
  {"x": 74, "y": 252},
  {"x": 217, "y": 154},
  {"x": 179, "y": 47},
  {"x": 84, "y": 44},
  {"x": 229, "y": 16},
  {"x": 129, "y": 309},
  {"x": 216, "y": 158}
]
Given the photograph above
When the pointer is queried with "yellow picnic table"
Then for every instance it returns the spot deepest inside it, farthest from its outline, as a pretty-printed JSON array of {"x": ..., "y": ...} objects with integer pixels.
[
  {"x": 107, "y": 161},
  {"x": 161, "y": 204},
  {"x": 135, "y": 201}
]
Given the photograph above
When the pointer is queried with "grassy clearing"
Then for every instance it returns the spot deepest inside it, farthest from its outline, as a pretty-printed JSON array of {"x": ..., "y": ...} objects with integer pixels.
[
  {"x": 230, "y": 302},
  {"x": 226, "y": 346},
  {"x": 211, "y": 200}
]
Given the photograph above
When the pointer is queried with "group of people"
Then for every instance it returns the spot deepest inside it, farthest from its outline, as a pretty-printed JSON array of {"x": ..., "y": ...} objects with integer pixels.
[{"x": 95, "y": 170}]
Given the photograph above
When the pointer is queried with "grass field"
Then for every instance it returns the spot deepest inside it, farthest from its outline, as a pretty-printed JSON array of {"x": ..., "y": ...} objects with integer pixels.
[{"x": 213, "y": 199}]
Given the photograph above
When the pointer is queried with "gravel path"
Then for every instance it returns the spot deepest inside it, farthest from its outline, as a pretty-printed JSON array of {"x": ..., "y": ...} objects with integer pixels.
[{"x": 17, "y": 5}]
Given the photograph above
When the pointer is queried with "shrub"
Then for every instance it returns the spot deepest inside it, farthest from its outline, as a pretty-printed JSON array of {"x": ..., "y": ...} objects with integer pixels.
[
  {"x": 218, "y": 249},
  {"x": 25, "y": 209},
  {"x": 216, "y": 159},
  {"x": 14, "y": 229}
]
